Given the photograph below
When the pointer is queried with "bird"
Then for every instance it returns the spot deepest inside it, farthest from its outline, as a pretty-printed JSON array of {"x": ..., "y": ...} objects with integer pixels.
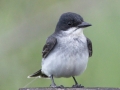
[{"x": 66, "y": 51}]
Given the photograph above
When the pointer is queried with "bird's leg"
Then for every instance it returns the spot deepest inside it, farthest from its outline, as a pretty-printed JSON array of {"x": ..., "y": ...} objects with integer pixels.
[
  {"x": 76, "y": 84},
  {"x": 53, "y": 83},
  {"x": 75, "y": 81}
]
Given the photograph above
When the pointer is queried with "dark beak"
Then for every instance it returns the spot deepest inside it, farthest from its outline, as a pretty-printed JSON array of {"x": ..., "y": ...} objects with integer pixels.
[{"x": 84, "y": 25}]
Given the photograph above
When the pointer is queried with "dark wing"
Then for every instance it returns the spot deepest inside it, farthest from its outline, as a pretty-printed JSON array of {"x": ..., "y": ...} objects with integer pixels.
[
  {"x": 89, "y": 44},
  {"x": 50, "y": 44}
]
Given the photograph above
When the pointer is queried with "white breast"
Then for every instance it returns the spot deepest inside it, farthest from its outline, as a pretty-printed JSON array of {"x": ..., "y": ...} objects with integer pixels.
[{"x": 69, "y": 57}]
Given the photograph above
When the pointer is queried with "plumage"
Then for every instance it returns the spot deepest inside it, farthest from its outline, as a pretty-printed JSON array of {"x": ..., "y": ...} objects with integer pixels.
[
  {"x": 89, "y": 44},
  {"x": 50, "y": 43},
  {"x": 67, "y": 50},
  {"x": 38, "y": 74}
]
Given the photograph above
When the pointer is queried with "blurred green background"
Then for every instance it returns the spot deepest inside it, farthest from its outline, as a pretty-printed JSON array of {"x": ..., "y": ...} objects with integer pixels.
[{"x": 26, "y": 24}]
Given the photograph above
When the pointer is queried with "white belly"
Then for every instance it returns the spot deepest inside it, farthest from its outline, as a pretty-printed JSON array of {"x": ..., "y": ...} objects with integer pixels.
[
  {"x": 64, "y": 66},
  {"x": 65, "y": 61}
]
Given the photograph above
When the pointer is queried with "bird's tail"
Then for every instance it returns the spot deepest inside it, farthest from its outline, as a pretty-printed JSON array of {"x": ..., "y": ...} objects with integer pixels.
[{"x": 38, "y": 74}]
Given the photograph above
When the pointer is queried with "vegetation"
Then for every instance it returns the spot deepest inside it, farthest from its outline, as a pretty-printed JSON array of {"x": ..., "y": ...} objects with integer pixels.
[{"x": 25, "y": 25}]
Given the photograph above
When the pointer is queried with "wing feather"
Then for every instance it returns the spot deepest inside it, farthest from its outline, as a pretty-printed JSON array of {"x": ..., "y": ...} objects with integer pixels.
[
  {"x": 89, "y": 44},
  {"x": 48, "y": 47}
]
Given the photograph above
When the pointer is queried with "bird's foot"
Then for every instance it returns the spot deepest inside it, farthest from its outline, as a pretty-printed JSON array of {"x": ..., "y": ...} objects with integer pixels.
[
  {"x": 77, "y": 86},
  {"x": 61, "y": 86},
  {"x": 54, "y": 86}
]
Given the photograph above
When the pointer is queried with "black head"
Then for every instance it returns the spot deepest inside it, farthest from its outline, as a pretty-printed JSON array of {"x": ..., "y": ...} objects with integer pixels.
[{"x": 69, "y": 19}]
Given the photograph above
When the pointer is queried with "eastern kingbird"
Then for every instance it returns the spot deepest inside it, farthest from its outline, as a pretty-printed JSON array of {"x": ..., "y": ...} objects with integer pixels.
[{"x": 66, "y": 51}]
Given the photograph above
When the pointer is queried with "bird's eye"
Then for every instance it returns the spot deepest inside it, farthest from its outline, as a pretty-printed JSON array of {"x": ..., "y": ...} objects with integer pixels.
[{"x": 69, "y": 23}]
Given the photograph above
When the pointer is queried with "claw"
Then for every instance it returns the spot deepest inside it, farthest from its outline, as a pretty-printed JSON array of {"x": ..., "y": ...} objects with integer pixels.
[
  {"x": 77, "y": 86},
  {"x": 61, "y": 86},
  {"x": 54, "y": 86}
]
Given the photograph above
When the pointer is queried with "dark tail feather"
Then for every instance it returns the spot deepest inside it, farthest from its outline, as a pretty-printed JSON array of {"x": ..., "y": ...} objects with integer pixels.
[{"x": 38, "y": 74}]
